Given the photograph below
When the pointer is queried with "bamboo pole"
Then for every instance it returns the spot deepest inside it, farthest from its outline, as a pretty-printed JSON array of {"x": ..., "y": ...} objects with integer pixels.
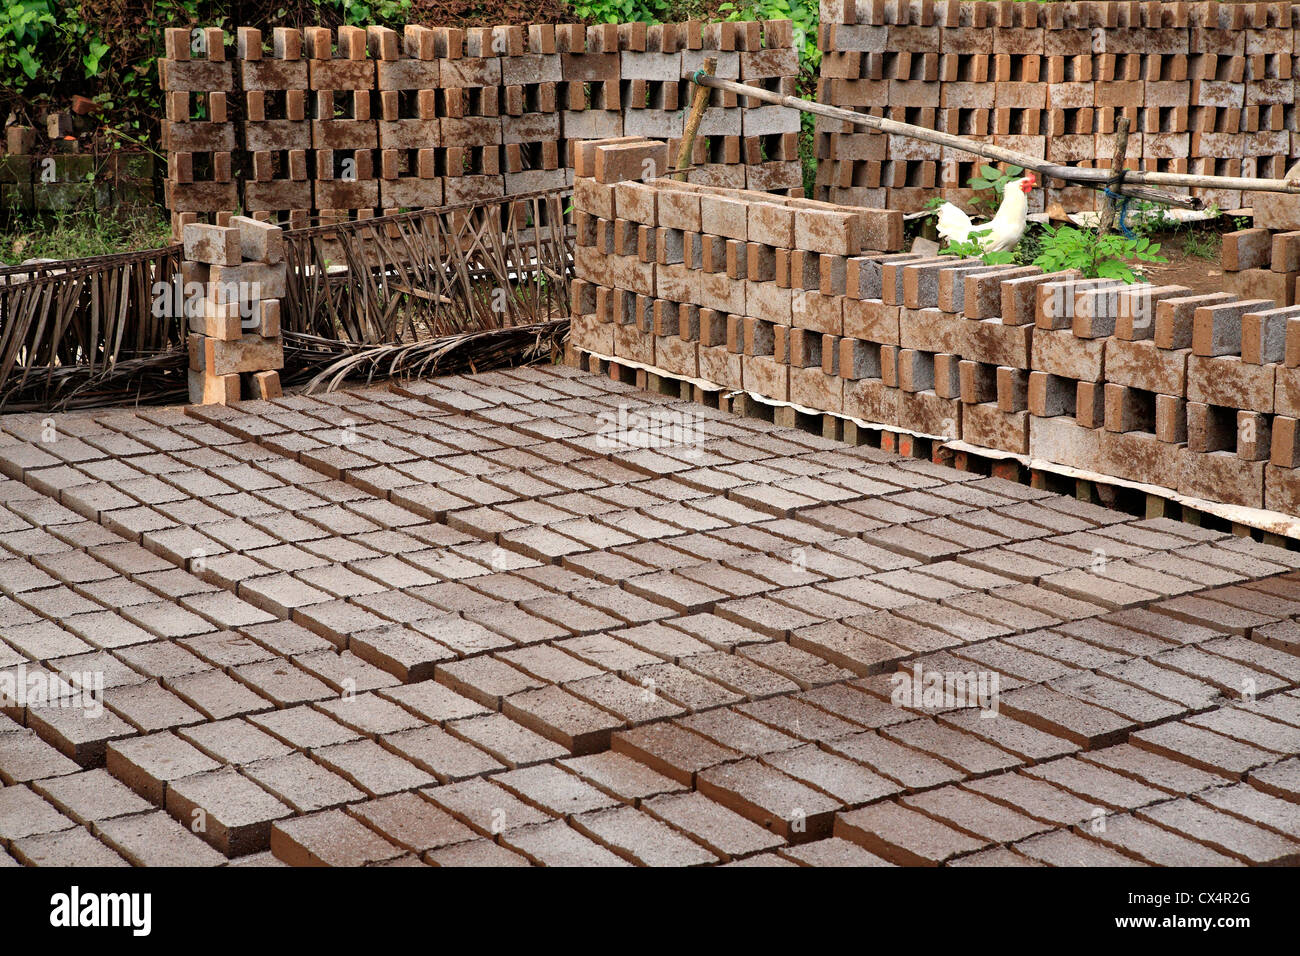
[
  {"x": 1096, "y": 178},
  {"x": 699, "y": 103},
  {"x": 1106, "y": 221}
]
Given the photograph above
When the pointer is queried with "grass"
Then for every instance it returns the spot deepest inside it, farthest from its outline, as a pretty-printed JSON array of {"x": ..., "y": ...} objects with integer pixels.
[
  {"x": 87, "y": 232},
  {"x": 1202, "y": 244}
]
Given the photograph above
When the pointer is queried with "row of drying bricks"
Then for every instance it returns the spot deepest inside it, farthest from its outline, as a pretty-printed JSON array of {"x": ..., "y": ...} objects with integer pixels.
[
  {"x": 1194, "y": 354},
  {"x": 765, "y": 794},
  {"x": 134, "y": 837}
]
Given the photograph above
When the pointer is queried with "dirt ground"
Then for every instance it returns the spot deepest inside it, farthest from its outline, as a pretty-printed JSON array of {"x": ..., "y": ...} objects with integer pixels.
[{"x": 1194, "y": 271}]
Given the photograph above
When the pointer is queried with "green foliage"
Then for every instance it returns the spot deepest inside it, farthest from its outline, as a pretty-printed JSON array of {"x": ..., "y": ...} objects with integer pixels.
[
  {"x": 41, "y": 35},
  {"x": 1148, "y": 218},
  {"x": 1202, "y": 244},
  {"x": 619, "y": 11},
  {"x": 356, "y": 13},
  {"x": 1030, "y": 245},
  {"x": 989, "y": 185},
  {"x": 808, "y": 152},
  {"x": 972, "y": 249},
  {"x": 1094, "y": 255},
  {"x": 88, "y": 232}
]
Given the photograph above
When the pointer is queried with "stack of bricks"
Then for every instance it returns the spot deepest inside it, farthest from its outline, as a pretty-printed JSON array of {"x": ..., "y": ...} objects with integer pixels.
[
  {"x": 1259, "y": 263},
  {"x": 351, "y": 123},
  {"x": 58, "y": 178},
  {"x": 470, "y": 126},
  {"x": 1207, "y": 87},
  {"x": 235, "y": 346},
  {"x": 531, "y": 85},
  {"x": 277, "y": 131},
  {"x": 755, "y": 146},
  {"x": 345, "y": 132},
  {"x": 199, "y": 132},
  {"x": 777, "y": 298},
  {"x": 1160, "y": 385},
  {"x": 709, "y": 282}
]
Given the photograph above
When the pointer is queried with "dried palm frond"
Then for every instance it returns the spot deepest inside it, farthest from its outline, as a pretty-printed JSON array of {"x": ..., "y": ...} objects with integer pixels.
[
  {"x": 67, "y": 322},
  {"x": 157, "y": 379},
  {"x": 335, "y": 362},
  {"x": 419, "y": 275},
  {"x": 462, "y": 287}
]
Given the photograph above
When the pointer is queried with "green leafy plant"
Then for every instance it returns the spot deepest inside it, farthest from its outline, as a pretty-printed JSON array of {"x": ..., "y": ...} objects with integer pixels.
[
  {"x": 1094, "y": 255},
  {"x": 93, "y": 55},
  {"x": 972, "y": 249},
  {"x": 23, "y": 25},
  {"x": 989, "y": 185},
  {"x": 42, "y": 37},
  {"x": 1146, "y": 218},
  {"x": 618, "y": 11}
]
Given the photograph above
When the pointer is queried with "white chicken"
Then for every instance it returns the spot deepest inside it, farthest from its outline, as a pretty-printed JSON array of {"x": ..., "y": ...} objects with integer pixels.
[{"x": 1004, "y": 229}]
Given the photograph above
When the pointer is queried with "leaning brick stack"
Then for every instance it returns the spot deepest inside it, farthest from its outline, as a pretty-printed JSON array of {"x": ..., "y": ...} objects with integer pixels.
[
  {"x": 1198, "y": 393},
  {"x": 1207, "y": 88},
  {"x": 235, "y": 346}
]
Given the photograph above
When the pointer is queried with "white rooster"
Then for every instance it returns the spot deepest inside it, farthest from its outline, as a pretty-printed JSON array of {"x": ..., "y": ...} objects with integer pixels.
[{"x": 1004, "y": 229}]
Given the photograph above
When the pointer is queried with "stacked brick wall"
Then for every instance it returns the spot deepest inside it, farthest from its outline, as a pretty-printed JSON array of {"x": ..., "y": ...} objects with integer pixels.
[
  {"x": 353, "y": 123},
  {"x": 1208, "y": 88},
  {"x": 61, "y": 181},
  {"x": 1154, "y": 384}
]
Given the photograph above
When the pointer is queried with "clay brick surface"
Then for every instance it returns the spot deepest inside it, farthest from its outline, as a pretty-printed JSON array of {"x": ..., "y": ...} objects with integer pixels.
[{"x": 706, "y": 679}]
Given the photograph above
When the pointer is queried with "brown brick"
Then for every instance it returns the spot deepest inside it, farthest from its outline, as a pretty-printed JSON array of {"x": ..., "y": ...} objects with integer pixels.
[
  {"x": 1216, "y": 329},
  {"x": 1247, "y": 249},
  {"x": 1174, "y": 316}
]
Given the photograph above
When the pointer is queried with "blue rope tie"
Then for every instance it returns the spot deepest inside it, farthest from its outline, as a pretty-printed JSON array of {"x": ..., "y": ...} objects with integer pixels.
[
  {"x": 695, "y": 77},
  {"x": 1123, "y": 212}
]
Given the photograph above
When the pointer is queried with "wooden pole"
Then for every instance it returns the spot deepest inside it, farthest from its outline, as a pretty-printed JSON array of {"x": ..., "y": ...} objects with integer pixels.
[
  {"x": 699, "y": 103},
  {"x": 1096, "y": 178},
  {"x": 1106, "y": 221}
]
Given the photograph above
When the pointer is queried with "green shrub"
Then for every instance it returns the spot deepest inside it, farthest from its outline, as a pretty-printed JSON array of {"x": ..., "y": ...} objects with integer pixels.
[
  {"x": 1094, "y": 255},
  {"x": 42, "y": 36},
  {"x": 620, "y": 11}
]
